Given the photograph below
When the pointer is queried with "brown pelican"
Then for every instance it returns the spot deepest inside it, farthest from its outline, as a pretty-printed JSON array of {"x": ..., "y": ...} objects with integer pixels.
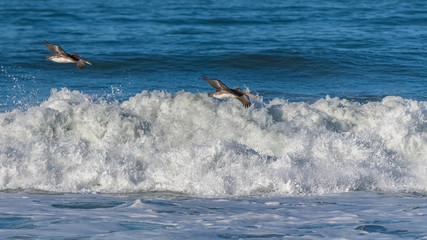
[
  {"x": 223, "y": 91},
  {"x": 62, "y": 57}
]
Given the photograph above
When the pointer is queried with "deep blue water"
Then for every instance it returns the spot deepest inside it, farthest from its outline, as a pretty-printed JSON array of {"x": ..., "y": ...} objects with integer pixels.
[
  {"x": 279, "y": 49},
  {"x": 131, "y": 147}
]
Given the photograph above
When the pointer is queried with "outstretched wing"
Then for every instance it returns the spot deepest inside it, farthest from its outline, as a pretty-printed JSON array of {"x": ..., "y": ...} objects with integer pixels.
[
  {"x": 217, "y": 84},
  {"x": 55, "y": 49},
  {"x": 80, "y": 64},
  {"x": 245, "y": 101},
  {"x": 244, "y": 97}
]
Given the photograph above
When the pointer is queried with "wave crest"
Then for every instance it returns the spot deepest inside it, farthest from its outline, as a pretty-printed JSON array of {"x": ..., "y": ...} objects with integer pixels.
[{"x": 189, "y": 143}]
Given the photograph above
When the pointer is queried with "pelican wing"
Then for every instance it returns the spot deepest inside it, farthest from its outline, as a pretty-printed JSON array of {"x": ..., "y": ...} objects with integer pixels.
[
  {"x": 217, "y": 84},
  {"x": 55, "y": 49},
  {"x": 244, "y": 97},
  {"x": 80, "y": 64},
  {"x": 245, "y": 101},
  {"x": 82, "y": 60}
]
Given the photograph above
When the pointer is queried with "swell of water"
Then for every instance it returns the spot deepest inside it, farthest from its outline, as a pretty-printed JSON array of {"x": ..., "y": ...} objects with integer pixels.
[{"x": 192, "y": 144}]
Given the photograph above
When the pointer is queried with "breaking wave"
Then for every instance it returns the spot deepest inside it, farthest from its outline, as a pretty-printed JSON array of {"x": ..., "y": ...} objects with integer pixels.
[{"x": 192, "y": 144}]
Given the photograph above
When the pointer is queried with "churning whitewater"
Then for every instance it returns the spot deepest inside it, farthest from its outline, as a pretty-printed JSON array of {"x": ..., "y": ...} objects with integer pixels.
[{"x": 192, "y": 144}]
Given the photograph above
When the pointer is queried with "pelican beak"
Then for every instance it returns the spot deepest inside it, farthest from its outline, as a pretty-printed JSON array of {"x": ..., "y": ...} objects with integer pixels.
[
  {"x": 88, "y": 63},
  {"x": 251, "y": 95}
]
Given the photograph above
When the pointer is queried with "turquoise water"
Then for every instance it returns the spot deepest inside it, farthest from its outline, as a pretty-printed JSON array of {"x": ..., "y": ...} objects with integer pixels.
[{"x": 132, "y": 146}]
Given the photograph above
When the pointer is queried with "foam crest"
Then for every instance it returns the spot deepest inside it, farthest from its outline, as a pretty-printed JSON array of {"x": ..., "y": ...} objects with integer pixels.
[{"x": 189, "y": 143}]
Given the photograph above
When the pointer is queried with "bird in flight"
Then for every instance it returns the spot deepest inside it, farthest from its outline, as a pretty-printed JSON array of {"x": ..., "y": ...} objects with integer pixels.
[
  {"x": 223, "y": 91},
  {"x": 62, "y": 57}
]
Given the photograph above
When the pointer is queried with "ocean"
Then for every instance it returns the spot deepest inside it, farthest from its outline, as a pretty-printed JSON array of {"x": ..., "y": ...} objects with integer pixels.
[{"x": 132, "y": 147}]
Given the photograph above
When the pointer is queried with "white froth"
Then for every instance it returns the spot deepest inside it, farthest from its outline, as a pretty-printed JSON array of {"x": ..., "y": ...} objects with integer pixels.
[{"x": 185, "y": 142}]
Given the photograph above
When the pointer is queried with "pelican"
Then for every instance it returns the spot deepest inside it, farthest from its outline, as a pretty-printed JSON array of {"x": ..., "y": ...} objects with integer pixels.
[
  {"x": 223, "y": 91},
  {"x": 62, "y": 57}
]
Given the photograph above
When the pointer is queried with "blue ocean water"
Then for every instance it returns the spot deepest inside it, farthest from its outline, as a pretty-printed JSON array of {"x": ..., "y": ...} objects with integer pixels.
[{"x": 132, "y": 147}]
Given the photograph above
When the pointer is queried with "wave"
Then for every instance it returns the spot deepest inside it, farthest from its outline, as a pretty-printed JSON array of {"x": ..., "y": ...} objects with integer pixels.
[{"x": 192, "y": 144}]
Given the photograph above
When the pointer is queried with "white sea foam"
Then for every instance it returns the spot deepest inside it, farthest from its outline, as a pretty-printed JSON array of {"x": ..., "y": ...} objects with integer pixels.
[{"x": 189, "y": 143}]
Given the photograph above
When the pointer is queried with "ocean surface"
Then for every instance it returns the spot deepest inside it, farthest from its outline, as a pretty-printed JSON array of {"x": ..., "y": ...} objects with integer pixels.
[{"x": 132, "y": 147}]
